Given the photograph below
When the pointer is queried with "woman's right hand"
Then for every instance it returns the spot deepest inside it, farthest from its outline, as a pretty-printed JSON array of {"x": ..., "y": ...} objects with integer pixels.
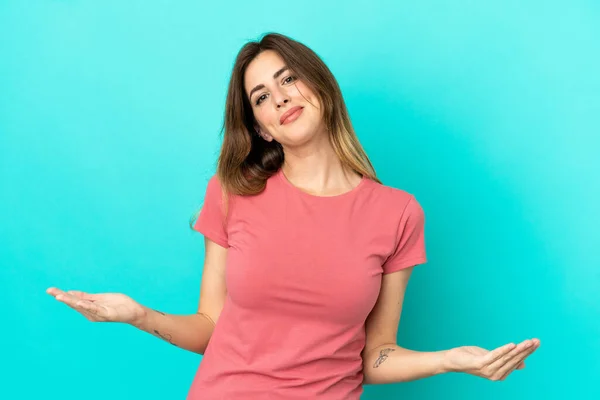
[{"x": 101, "y": 307}]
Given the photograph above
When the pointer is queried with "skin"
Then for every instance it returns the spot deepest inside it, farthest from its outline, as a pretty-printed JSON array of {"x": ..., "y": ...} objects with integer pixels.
[
  {"x": 101, "y": 307},
  {"x": 387, "y": 362},
  {"x": 310, "y": 161},
  {"x": 190, "y": 332},
  {"x": 312, "y": 166},
  {"x": 494, "y": 365}
]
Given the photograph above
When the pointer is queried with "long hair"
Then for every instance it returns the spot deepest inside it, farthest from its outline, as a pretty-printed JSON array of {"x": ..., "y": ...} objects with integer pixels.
[{"x": 246, "y": 161}]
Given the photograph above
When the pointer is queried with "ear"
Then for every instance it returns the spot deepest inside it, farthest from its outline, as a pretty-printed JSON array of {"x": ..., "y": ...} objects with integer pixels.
[{"x": 263, "y": 134}]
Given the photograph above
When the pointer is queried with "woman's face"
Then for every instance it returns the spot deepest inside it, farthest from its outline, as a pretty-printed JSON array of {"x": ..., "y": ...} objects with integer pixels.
[{"x": 274, "y": 90}]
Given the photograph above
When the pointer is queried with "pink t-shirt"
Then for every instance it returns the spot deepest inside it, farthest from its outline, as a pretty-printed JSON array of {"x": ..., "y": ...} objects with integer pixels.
[{"x": 302, "y": 274}]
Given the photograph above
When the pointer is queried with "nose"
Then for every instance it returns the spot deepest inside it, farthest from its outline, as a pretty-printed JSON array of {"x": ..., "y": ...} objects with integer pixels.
[{"x": 281, "y": 98}]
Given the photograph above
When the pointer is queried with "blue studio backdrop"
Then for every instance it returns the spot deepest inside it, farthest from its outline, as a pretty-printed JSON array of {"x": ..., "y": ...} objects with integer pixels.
[{"x": 488, "y": 112}]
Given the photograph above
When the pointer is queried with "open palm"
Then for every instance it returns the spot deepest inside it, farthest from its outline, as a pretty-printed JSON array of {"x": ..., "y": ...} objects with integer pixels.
[
  {"x": 101, "y": 307},
  {"x": 494, "y": 365}
]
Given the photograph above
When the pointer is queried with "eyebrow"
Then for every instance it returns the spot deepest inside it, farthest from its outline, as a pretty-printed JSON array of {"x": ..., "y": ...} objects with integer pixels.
[{"x": 275, "y": 76}]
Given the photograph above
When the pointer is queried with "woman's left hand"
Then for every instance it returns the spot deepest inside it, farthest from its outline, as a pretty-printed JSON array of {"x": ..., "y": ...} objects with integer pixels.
[{"x": 494, "y": 365}]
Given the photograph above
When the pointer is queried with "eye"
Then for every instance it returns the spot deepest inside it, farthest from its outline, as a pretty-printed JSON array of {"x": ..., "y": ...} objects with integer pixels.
[
  {"x": 259, "y": 100},
  {"x": 286, "y": 80}
]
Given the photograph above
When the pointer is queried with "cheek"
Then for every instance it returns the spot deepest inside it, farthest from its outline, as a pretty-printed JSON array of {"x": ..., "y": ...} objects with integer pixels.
[
  {"x": 266, "y": 116},
  {"x": 305, "y": 93}
]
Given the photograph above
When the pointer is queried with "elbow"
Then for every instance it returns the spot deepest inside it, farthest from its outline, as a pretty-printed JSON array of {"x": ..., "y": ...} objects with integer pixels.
[
  {"x": 372, "y": 361},
  {"x": 368, "y": 359}
]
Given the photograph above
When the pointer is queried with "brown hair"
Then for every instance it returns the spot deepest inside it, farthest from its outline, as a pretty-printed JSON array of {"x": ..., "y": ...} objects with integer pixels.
[{"x": 246, "y": 161}]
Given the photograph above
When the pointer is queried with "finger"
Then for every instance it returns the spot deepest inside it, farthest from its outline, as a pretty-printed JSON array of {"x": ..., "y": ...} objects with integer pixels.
[
  {"x": 537, "y": 344},
  {"x": 79, "y": 309},
  {"x": 66, "y": 298},
  {"x": 506, "y": 369},
  {"x": 82, "y": 295},
  {"x": 54, "y": 291},
  {"x": 94, "y": 309},
  {"x": 498, "y": 353},
  {"x": 493, "y": 367},
  {"x": 495, "y": 357},
  {"x": 83, "y": 306},
  {"x": 510, "y": 370}
]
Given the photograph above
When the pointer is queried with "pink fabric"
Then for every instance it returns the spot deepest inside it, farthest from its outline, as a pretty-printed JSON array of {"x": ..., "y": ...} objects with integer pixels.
[{"x": 303, "y": 272}]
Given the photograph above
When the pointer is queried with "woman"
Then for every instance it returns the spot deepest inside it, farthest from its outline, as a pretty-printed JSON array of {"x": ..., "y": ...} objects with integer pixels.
[{"x": 315, "y": 250}]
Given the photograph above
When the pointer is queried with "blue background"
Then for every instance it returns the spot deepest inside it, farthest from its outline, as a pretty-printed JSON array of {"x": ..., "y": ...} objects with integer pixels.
[{"x": 487, "y": 111}]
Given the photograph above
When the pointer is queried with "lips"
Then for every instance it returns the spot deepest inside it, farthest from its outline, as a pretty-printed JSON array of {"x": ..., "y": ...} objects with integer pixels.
[{"x": 288, "y": 113}]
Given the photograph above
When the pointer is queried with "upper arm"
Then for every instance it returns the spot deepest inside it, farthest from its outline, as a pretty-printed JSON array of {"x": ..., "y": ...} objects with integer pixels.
[
  {"x": 212, "y": 288},
  {"x": 381, "y": 325},
  {"x": 211, "y": 222}
]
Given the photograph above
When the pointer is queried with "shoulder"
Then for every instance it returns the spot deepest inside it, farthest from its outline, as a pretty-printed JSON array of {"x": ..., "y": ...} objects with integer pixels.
[
  {"x": 214, "y": 182},
  {"x": 392, "y": 197},
  {"x": 213, "y": 188},
  {"x": 215, "y": 192}
]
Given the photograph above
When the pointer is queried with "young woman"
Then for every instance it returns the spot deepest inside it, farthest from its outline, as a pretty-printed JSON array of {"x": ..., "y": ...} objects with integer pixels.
[{"x": 308, "y": 254}]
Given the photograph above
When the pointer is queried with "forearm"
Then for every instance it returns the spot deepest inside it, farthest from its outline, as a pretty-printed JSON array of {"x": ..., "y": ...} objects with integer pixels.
[
  {"x": 392, "y": 363},
  {"x": 190, "y": 332}
]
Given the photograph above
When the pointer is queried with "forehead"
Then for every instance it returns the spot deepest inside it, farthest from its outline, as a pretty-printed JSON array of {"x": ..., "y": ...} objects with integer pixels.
[{"x": 261, "y": 69}]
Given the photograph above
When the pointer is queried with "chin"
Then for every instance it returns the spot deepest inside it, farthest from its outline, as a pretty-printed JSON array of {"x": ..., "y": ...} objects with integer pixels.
[{"x": 297, "y": 137}]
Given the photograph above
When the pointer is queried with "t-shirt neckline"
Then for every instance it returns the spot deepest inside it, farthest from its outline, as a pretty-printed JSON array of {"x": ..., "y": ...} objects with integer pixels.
[{"x": 351, "y": 192}]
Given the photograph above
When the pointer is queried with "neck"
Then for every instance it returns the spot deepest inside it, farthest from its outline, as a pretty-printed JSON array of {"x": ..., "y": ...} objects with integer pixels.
[{"x": 316, "y": 168}]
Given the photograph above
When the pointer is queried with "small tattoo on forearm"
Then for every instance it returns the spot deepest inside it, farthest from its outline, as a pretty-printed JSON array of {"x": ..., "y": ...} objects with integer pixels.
[
  {"x": 166, "y": 337},
  {"x": 160, "y": 312},
  {"x": 383, "y": 355}
]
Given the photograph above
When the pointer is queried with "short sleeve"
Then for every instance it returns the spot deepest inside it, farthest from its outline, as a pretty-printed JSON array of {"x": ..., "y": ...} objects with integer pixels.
[
  {"x": 212, "y": 222},
  {"x": 410, "y": 239}
]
